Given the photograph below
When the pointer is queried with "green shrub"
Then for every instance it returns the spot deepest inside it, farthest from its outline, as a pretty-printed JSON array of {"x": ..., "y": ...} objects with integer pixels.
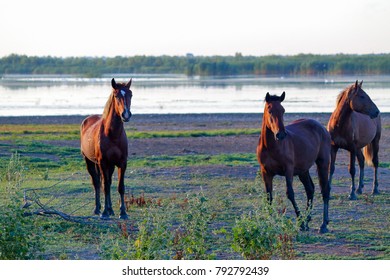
[
  {"x": 176, "y": 230},
  {"x": 19, "y": 236},
  {"x": 265, "y": 232},
  {"x": 192, "y": 236}
]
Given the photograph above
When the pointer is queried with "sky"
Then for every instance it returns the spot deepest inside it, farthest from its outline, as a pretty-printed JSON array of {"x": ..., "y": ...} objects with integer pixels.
[{"x": 64, "y": 28}]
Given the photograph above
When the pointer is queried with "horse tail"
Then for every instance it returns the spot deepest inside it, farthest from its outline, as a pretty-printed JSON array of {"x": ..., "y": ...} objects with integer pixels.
[{"x": 368, "y": 152}]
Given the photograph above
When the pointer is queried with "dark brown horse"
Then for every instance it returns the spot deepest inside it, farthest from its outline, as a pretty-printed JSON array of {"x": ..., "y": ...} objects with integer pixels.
[
  {"x": 104, "y": 146},
  {"x": 292, "y": 150},
  {"x": 356, "y": 124}
]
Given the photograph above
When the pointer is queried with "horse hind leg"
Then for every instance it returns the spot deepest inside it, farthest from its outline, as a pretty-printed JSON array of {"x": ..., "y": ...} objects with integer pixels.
[
  {"x": 360, "y": 158},
  {"x": 352, "y": 172},
  {"x": 333, "y": 155},
  {"x": 322, "y": 169},
  {"x": 94, "y": 172},
  {"x": 121, "y": 190},
  {"x": 375, "y": 163}
]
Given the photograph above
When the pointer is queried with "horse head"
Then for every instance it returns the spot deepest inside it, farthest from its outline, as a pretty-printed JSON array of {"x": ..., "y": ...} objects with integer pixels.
[
  {"x": 360, "y": 102},
  {"x": 273, "y": 115},
  {"x": 122, "y": 99}
]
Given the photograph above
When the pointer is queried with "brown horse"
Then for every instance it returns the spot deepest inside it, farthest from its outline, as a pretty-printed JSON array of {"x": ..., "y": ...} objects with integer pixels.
[
  {"x": 292, "y": 150},
  {"x": 104, "y": 146},
  {"x": 356, "y": 124}
]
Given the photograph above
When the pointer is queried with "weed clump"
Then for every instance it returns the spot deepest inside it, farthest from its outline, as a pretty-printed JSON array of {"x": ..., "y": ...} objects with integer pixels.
[
  {"x": 19, "y": 237},
  {"x": 265, "y": 232},
  {"x": 174, "y": 230}
]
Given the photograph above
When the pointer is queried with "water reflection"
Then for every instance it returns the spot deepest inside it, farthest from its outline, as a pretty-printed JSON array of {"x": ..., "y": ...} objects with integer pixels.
[{"x": 164, "y": 94}]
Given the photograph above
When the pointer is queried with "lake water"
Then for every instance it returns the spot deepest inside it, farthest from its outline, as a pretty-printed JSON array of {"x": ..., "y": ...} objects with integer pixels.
[{"x": 28, "y": 95}]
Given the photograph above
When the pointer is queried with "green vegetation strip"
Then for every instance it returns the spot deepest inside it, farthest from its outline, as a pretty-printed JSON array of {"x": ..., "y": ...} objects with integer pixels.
[
  {"x": 72, "y": 132},
  {"x": 191, "y": 133},
  {"x": 194, "y": 160},
  {"x": 302, "y": 64}
]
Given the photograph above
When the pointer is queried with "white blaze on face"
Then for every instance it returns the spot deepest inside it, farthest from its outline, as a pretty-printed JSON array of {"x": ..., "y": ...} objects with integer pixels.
[
  {"x": 127, "y": 111},
  {"x": 124, "y": 97}
]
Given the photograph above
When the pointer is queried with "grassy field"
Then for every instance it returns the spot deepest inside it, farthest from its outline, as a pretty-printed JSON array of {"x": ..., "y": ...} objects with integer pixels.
[{"x": 185, "y": 205}]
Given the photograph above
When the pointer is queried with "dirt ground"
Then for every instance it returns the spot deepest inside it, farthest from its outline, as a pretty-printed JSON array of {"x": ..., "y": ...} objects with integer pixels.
[
  {"x": 224, "y": 145},
  {"x": 216, "y": 145}
]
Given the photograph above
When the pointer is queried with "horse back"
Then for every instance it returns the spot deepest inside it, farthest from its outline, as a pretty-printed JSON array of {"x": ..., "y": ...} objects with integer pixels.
[
  {"x": 306, "y": 142},
  {"x": 311, "y": 141},
  {"x": 308, "y": 130}
]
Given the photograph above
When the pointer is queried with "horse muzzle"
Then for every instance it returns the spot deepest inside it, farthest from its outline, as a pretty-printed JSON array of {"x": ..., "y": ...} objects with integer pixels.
[
  {"x": 280, "y": 135},
  {"x": 126, "y": 115},
  {"x": 374, "y": 114}
]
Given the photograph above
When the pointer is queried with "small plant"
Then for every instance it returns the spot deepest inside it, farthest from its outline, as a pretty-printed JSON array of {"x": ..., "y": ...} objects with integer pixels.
[
  {"x": 265, "y": 232},
  {"x": 176, "y": 230},
  {"x": 154, "y": 238},
  {"x": 152, "y": 241},
  {"x": 15, "y": 168},
  {"x": 19, "y": 236},
  {"x": 192, "y": 236}
]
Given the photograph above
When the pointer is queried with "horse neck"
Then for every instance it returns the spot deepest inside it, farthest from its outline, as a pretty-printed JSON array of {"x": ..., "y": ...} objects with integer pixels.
[
  {"x": 113, "y": 124},
  {"x": 343, "y": 111},
  {"x": 267, "y": 138}
]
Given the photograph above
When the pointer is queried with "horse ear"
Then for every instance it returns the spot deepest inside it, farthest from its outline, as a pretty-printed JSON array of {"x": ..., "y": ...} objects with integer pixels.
[
  {"x": 267, "y": 97},
  {"x": 356, "y": 84},
  {"x": 113, "y": 84},
  {"x": 128, "y": 84},
  {"x": 282, "y": 96},
  {"x": 361, "y": 83}
]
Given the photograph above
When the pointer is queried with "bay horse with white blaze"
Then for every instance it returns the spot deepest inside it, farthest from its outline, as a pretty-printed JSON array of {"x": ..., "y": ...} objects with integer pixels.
[
  {"x": 104, "y": 146},
  {"x": 354, "y": 125},
  {"x": 292, "y": 150}
]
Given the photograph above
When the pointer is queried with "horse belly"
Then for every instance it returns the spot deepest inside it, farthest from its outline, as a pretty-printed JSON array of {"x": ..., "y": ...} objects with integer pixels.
[
  {"x": 88, "y": 145},
  {"x": 307, "y": 136},
  {"x": 367, "y": 130}
]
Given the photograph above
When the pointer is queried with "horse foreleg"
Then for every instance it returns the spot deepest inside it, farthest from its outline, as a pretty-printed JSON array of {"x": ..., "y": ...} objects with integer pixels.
[
  {"x": 267, "y": 178},
  {"x": 309, "y": 188},
  {"x": 360, "y": 158},
  {"x": 291, "y": 196},
  {"x": 352, "y": 172},
  {"x": 107, "y": 171},
  {"x": 121, "y": 190}
]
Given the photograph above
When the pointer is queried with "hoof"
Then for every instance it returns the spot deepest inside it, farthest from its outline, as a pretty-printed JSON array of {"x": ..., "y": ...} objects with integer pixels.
[
  {"x": 352, "y": 196},
  {"x": 124, "y": 216},
  {"x": 105, "y": 215},
  {"x": 375, "y": 192},
  {"x": 359, "y": 191},
  {"x": 96, "y": 212},
  {"x": 323, "y": 229},
  {"x": 304, "y": 227}
]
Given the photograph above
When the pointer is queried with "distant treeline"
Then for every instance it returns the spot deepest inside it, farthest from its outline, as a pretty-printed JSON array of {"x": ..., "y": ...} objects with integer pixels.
[{"x": 303, "y": 64}]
